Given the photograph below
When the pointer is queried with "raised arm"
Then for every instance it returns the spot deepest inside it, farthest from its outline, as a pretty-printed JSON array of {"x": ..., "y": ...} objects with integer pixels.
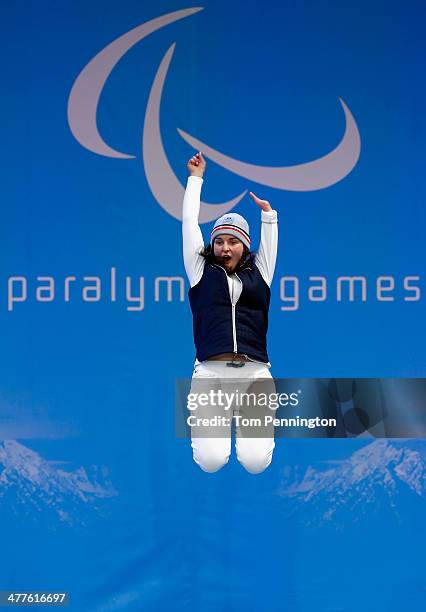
[
  {"x": 192, "y": 237},
  {"x": 266, "y": 256}
]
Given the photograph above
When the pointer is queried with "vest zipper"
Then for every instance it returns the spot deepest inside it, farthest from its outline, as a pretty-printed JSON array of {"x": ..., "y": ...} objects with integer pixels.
[{"x": 234, "y": 327}]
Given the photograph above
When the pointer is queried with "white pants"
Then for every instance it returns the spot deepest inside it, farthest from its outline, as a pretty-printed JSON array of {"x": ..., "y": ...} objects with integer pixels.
[{"x": 254, "y": 445}]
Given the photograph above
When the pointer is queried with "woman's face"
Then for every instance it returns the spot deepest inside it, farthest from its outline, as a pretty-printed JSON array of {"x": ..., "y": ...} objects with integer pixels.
[{"x": 228, "y": 250}]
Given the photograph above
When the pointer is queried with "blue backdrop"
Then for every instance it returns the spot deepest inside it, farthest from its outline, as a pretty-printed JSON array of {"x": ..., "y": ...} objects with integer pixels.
[{"x": 98, "y": 497}]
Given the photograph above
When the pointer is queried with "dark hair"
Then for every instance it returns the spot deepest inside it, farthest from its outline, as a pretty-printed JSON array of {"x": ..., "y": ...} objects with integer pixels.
[{"x": 246, "y": 260}]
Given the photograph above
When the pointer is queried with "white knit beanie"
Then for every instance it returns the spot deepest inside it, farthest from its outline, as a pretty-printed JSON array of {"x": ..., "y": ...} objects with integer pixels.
[{"x": 233, "y": 224}]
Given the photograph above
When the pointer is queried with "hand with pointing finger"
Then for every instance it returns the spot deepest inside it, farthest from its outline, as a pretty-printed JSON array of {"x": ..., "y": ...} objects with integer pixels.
[
  {"x": 197, "y": 165},
  {"x": 263, "y": 204}
]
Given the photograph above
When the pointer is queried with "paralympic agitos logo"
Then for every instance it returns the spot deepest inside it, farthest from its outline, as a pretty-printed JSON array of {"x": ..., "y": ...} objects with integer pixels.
[{"x": 166, "y": 188}]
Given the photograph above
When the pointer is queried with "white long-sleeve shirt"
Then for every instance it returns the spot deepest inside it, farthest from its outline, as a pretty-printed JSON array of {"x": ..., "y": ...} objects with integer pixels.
[{"x": 193, "y": 242}]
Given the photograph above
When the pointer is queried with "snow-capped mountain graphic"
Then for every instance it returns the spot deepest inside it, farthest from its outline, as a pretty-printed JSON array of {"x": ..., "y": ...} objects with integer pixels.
[
  {"x": 383, "y": 480},
  {"x": 36, "y": 491}
]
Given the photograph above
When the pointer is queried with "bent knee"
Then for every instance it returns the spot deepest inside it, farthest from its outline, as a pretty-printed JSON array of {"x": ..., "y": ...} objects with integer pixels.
[
  {"x": 211, "y": 459},
  {"x": 211, "y": 464},
  {"x": 253, "y": 461}
]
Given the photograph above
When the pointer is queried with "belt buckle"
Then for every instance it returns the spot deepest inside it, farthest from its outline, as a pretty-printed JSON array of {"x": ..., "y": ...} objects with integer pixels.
[{"x": 236, "y": 362}]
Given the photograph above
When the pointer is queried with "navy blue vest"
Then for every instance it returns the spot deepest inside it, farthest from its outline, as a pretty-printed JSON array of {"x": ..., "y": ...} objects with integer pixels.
[{"x": 213, "y": 315}]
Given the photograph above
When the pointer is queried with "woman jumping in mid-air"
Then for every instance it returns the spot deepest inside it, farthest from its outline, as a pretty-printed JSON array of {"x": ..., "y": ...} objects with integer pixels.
[{"x": 229, "y": 298}]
